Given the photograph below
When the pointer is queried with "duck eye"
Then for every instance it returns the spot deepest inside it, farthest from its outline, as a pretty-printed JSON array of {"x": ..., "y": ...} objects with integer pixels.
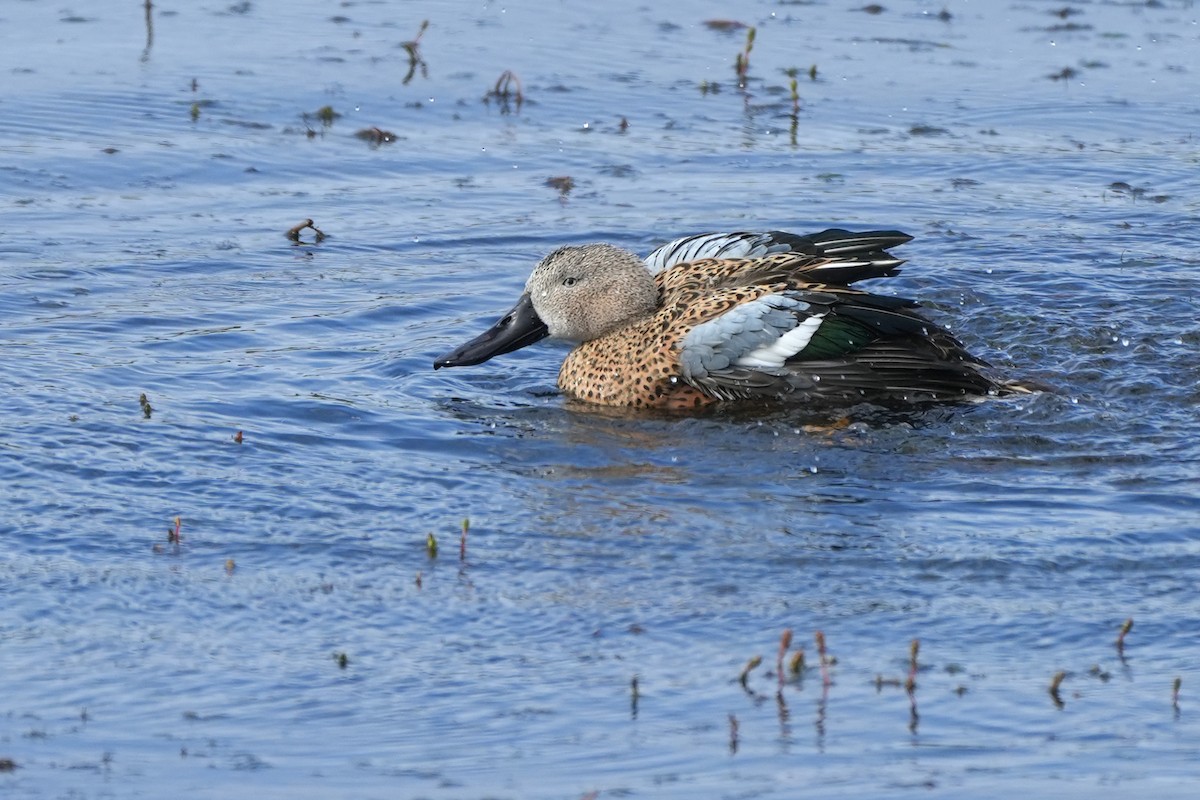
[{"x": 568, "y": 282}]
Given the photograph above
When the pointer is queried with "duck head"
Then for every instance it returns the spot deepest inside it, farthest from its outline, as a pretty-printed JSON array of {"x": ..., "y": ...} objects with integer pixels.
[{"x": 576, "y": 294}]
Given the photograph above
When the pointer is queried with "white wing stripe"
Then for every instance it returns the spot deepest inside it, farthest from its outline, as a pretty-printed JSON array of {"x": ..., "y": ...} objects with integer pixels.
[{"x": 772, "y": 356}]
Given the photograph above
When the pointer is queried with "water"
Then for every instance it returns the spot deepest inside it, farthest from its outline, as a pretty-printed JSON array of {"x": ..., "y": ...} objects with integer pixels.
[{"x": 142, "y": 250}]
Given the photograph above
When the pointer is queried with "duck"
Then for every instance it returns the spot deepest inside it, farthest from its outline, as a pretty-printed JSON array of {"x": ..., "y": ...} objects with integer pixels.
[{"x": 719, "y": 318}]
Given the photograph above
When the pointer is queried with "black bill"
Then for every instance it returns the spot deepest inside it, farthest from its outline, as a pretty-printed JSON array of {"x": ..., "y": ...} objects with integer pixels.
[{"x": 521, "y": 326}]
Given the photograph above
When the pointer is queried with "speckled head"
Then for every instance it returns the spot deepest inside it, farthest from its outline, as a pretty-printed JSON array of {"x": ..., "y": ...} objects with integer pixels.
[{"x": 585, "y": 292}]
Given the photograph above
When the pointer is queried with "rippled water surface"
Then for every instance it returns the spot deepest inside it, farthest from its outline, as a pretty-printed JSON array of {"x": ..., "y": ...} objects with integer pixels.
[{"x": 299, "y": 640}]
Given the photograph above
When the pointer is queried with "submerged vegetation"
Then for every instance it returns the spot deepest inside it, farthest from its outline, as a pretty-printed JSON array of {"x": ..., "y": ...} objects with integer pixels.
[
  {"x": 742, "y": 62},
  {"x": 506, "y": 92},
  {"x": 296, "y": 230},
  {"x": 415, "y": 60},
  {"x": 375, "y": 136},
  {"x": 792, "y": 679}
]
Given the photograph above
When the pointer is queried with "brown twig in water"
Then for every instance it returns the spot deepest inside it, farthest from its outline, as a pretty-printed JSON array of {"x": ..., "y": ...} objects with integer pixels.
[
  {"x": 1055, "y": 683},
  {"x": 294, "y": 232},
  {"x": 785, "y": 642},
  {"x": 1175, "y": 692},
  {"x": 508, "y": 85},
  {"x": 462, "y": 543},
  {"x": 751, "y": 665},
  {"x": 742, "y": 64},
  {"x": 1125, "y": 629},
  {"x": 820, "y": 638},
  {"x": 911, "y": 682},
  {"x": 733, "y": 734},
  {"x": 415, "y": 61},
  {"x": 149, "y": 8},
  {"x": 375, "y": 136}
]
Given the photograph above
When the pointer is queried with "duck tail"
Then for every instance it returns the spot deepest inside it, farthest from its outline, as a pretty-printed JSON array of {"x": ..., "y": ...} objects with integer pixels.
[{"x": 841, "y": 242}]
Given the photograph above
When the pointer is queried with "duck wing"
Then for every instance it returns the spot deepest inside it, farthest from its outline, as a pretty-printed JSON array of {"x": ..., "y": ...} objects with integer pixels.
[
  {"x": 779, "y": 270},
  {"x": 827, "y": 343},
  {"x": 833, "y": 243}
]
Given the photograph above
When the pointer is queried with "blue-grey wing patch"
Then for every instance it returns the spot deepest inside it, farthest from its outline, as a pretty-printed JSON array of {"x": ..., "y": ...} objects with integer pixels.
[
  {"x": 828, "y": 344},
  {"x": 745, "y": 350},
  {"x": 847, "y": 250},
  {"x": 714, "y": 245}
]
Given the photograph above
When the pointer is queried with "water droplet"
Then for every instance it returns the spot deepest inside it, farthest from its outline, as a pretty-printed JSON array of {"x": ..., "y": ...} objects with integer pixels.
[
  {"x": 1125, "y": 341},
  {"x": 813, "y": 469}
]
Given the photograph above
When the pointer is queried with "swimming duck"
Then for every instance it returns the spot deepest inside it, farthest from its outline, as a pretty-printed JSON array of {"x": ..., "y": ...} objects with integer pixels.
[{"x": 731, "y": 317}]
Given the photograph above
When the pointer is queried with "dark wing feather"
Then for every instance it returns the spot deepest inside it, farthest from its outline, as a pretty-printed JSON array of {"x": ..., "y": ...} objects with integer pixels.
[
  {"x": 858, "y": 254},
  {"x": 899, "y": 369},
  {"x": 832, "y": 344}
]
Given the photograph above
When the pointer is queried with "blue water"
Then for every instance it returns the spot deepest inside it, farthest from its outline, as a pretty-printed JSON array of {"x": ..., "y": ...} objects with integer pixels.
[{"x": 143, "y": 250}]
